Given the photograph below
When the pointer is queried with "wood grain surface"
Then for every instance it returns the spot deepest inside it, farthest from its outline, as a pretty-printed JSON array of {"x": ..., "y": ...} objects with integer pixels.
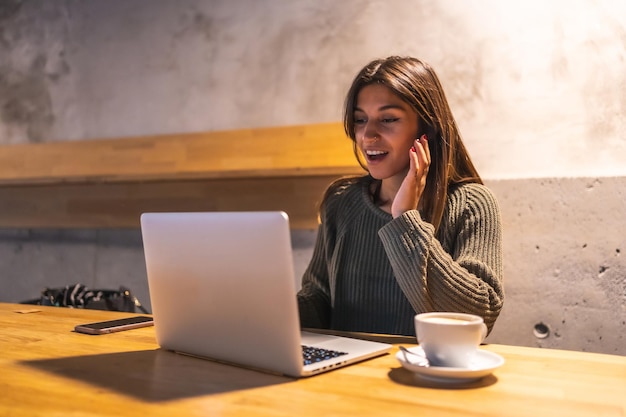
[
  {"x": 46, "y": 369},
  {"x": 110, "y": 182}
]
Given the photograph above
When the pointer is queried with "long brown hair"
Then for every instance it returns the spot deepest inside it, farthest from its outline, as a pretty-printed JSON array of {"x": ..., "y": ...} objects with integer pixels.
[{"x": 416, "y": 83}]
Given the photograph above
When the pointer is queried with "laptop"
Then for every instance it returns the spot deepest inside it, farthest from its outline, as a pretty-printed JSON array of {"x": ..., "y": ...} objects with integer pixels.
[{"x": 222, "y": 287}]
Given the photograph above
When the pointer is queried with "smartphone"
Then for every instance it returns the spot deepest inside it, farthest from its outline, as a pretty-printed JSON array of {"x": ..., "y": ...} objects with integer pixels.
[{"x": 110, "y": 326}]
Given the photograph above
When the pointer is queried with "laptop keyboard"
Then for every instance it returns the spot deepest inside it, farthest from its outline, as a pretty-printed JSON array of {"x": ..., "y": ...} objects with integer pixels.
[{"x": 312, "y": 354}]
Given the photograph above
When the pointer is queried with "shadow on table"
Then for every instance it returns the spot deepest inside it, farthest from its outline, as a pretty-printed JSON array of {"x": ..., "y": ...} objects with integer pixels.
[
  {"x": 156, "y": 375},
  {"x": 406, "y": 377}
]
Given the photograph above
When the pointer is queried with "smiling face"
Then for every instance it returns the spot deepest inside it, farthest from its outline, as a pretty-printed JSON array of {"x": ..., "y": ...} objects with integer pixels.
[{"x": 385, "y": 128}]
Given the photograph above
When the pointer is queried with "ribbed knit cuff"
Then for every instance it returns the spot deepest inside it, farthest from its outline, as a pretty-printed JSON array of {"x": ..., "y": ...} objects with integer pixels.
[{"x": 409, "y": 229}]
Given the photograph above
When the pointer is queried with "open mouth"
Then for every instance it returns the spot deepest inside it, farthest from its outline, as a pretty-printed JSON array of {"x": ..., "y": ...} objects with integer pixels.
[{"x": 375, "y": 155}]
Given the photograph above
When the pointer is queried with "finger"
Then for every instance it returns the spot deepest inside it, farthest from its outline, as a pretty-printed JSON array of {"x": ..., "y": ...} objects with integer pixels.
[
  {"x": 413, "y": 159},
  {"x": 424, "y": 142},
  {"x": 422, "y": 157}
]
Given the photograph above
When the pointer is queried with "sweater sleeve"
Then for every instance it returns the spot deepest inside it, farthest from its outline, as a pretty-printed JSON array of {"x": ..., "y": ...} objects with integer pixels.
[
  {"x": 466, "y": 278},
  {"x": 314, "y": 296}
]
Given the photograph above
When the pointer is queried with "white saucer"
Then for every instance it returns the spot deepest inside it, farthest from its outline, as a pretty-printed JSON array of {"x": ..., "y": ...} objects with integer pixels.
[{"x": 483, "y": 364}]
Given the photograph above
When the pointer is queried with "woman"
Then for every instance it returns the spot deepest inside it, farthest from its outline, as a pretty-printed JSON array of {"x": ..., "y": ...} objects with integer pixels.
[{"x": 420, "y": 232}]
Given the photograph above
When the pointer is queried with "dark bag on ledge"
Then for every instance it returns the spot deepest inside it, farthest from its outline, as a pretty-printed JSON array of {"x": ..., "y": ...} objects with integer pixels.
[{"x": 79, "y": 296}]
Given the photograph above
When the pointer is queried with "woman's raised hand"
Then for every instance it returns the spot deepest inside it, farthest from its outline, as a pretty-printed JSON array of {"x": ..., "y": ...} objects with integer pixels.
[{"x": 412, "y": 187}]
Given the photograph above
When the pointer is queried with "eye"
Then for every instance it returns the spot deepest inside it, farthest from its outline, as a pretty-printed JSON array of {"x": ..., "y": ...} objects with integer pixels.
[
  {"x": 390, "y": 119},
  {"x": 359, "y": 120}
]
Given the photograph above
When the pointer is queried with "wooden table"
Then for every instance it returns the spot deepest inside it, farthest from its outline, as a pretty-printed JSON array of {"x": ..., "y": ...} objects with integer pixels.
[{"x": 47, "y": 369}]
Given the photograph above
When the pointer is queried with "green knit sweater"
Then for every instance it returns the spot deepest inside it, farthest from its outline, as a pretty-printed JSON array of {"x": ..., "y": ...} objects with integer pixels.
[{"x": 372, "y": 273}]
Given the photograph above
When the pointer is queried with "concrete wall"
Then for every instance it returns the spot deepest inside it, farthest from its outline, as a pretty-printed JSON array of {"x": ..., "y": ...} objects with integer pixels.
[
  {"x": 538, "y": 89},
  {"x": 564, "y": 263}
]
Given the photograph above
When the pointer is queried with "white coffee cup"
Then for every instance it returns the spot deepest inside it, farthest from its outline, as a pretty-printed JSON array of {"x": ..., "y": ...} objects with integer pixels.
[{"x": 449, "y": 339}]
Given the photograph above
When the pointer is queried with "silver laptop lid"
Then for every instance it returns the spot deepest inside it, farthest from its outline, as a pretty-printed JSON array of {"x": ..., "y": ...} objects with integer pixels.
[{"x": 222, "y": 286}]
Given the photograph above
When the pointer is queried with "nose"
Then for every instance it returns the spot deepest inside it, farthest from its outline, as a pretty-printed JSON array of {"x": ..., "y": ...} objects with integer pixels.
[{"x": 370, "y": 133}]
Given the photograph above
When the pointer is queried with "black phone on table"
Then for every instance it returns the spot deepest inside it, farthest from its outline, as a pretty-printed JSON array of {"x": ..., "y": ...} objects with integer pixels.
[{"x": 111, "y": 326}]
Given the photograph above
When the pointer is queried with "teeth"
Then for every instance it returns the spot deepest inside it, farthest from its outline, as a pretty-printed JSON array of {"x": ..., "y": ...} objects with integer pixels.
[{"x": 374, "y": 153}]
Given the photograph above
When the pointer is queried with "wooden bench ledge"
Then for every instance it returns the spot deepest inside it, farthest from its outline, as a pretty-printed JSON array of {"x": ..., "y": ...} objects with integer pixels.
[
  {"x": 321, "y": 149},
  {"x": 110, "y": 182}
]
